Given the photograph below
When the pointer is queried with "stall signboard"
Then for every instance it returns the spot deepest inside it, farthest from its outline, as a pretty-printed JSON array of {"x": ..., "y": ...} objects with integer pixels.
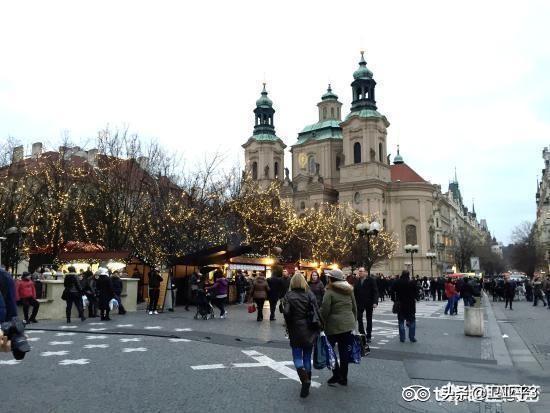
[{"x": 247, "y": 267}]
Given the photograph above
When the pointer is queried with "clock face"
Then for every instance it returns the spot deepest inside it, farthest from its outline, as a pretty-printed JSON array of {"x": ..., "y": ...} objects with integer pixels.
[{"x": 302, "y": 159}]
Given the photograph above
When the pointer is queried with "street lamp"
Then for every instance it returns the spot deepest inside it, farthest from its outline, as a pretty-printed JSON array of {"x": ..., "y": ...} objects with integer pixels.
[
  {"x": 412, "y": 249},
  {"x": 431, "y": 256},
  {"x": 368, "y": 230},
  {"x": 17, "y": 234}
]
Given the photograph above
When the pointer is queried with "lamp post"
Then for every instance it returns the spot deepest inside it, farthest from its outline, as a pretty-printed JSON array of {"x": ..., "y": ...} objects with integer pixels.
[
  {"x": 431, "y": 256},
  {"x": 368, "y": 230},
  {"x": 17, "y": 234},
  {"x": 1, "y": 240},
  {"x": 412, "y": 249}
]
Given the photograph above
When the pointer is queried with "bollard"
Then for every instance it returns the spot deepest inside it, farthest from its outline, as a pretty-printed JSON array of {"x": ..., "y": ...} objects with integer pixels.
[{"x": 473, "y": 321}]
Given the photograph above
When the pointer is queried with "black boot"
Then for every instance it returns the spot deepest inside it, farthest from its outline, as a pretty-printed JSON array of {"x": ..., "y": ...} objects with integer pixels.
[
  {"x": 68, "y": 320},
  {"x": 306, "y": 382}
]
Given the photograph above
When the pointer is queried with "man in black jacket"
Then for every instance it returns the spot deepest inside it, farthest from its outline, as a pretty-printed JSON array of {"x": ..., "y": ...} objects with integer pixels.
[
  {"x": 276, "y": 290},
  {"x": 366, "y": 297}
]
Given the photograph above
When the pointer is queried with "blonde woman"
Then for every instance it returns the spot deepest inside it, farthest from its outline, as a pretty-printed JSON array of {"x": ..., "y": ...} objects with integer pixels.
[{"x": 300, "y": 311}]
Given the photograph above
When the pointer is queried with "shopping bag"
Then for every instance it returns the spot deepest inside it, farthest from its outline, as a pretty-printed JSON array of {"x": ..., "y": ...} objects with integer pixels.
[
  {"x": 331, "y": 355},
  {"x": 354, "y": 349},
  {"x": 319, "y": 354},
  {"x": 365, "y": 348},
  {"x": 251, "y": 308},
  {"x": 85, "y": 301},
  {"x": 113, "y": 304}
]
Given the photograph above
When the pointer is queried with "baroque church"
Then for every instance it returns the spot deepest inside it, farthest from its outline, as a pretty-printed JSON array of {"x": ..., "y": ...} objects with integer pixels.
[{"x": 346, "y": 160}]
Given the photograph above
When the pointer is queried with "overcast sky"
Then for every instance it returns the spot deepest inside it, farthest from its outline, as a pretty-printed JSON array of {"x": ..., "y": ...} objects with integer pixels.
[{"x": 463, "y": 84}]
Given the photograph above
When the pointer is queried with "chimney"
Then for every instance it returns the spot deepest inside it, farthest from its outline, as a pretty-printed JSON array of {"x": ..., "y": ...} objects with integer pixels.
[
  {"x": 143, "y": 162},
  {"x": 92, "y": 156},
  {"x": 36, "y": 149},
  {"x": 18, "y": 154}
]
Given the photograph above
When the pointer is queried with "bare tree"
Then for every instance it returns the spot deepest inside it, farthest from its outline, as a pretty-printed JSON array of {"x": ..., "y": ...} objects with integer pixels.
[{"x": 526, "y": 254}]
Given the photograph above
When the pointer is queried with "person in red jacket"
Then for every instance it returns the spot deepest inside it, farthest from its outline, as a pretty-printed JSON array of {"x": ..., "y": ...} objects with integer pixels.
[
  {"x": 452, "y": 296},
  {"x": 26, "y": 293}
]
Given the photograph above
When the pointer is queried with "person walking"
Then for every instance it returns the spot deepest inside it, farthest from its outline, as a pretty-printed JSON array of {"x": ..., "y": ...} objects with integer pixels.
[
  {"x": 259, "y": 293},
  {"x": 299, "y": 303},
  {"x": 26, "y": 292},
  {"x": 317, "y": 287},
  {"x": 509, "y": 291},
  {"x": 546, "y": 289},
  {"x": 366, "y": 296},
  {"x": 339, "y": 316},
  {"x": 450, "y": 292},
  {"x": 286, "y": 282},
  {"x": 105, "y": 293},
  {"x": 276, "y": 290},
  {"x": 241, "y": 283},
  {"x": 537, "y": 291},
  {"x": 440, "y": 288},
  {"x": 406, "y": 295},
  {"x": 154, "y": 290},
  {"x": 117, "y": 291},
  {"x": 433, "y": 288},
  {"x": 219, "y": 289},
  {"x": 73, "y": 294}
]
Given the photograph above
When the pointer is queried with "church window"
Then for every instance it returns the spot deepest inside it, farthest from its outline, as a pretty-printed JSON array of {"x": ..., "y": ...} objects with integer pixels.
[
  {"x": 311, "y": 165},
  {"x": 372, "y": 155},
  {"x": 380, "y": 154},
  {"x": 338, "y": 110},
  {"x": 384, "y": 223},
  {"x": 410, "y": 234},
  {"x": 302, "y": 205},
  {"x": 338, "y": 163},
  {"x": 324, "y": 113},
  {"x": 276, "y": 170},
  {"x": 316, "y": 206},
  {"x": 437, "y": 222},
  {"x": 254, "y": 170},
  {"x": 356, "y": 152},
  {"x": 331, "y": 112},
  {"x": 357, "y": 198}
]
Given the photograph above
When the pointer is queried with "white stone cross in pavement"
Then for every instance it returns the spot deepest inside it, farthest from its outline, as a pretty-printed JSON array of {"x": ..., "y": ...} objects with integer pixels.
[
  {"x": 126, "y": 340},
  {"x": 65, "y": 334},
  {"x": 9, "y": 362},
  {"x": 33, "y": 338},
  {"x": 96, "y": 337},
  {"x": 183, "y": 329},
  {"x": 152, "y": 327},
  {"x": 54, "y": 353},
  {"x": 178, "y": 340},
  {"x": 59, "y": 343},
  {"x": 261, "y": 361},
  {"x": 96, "y": 324},
  {"x": 65, "y": 327},
  {"x": 124, "y": 325},
  {"x": 77, "y": 361},
  {"x": 97, "y": 329},
  {"x": 96, "y": 345},
  {"x": 132, "y": 349},
  {"x": 34, "y": 331}
]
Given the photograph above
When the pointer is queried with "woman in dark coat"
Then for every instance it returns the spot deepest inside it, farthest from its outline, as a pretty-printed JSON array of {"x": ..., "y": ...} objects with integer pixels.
[
  {"x": 317, "y": 287},
  {"x": 406, "y": 295},
  {"x": 105, "y": 292},
  {"x": 299, "y": 302}
]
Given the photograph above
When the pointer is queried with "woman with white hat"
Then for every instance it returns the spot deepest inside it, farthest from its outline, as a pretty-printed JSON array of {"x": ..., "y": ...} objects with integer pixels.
[{"x": 339, "y": 314}]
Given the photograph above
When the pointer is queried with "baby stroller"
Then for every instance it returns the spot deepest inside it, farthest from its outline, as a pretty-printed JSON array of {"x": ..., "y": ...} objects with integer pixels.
[{"x": 204, "y": 307}]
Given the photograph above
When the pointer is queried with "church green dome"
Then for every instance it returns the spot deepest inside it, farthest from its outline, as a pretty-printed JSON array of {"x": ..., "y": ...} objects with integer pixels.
[
  {"x": 363, "y": 71},
  {"x": 329, "y": 95},
  {"x": 264, "y": 101},
  {"x": 398, "y": 158}
]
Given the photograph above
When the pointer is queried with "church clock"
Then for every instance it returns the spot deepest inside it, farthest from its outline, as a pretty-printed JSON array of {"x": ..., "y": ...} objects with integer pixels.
[{"x": 302, "y": 160}]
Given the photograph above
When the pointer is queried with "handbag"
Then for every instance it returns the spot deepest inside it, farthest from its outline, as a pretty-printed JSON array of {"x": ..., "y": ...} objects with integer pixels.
[
  {"x": 313, "y": 319},
  {"x": 354, "y": 349},
  {"x": 64, "y": 295},
  {"x": 395, "y": 307},
  {"x": 365, "y": 348},
  {"x": 251, "y": 308}
]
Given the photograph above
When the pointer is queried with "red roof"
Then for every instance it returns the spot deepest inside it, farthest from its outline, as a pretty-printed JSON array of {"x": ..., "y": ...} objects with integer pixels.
[{"x": 404, "y": 173}]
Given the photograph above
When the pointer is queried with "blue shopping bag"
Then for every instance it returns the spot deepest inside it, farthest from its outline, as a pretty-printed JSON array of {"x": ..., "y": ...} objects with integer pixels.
[
  {"x": 354, "y": 349},
  {"x": 323, "y": 353}
]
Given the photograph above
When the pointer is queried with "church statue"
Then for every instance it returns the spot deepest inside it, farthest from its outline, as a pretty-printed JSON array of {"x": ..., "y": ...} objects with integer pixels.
[
  {"x": 266, "y": 171},
  {"x": 287, "y": 172},
  {"x": 317, "y": 168}
]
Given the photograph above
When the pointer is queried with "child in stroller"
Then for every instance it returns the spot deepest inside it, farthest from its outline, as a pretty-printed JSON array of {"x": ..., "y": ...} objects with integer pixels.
[{"x": 204, "y": 307}]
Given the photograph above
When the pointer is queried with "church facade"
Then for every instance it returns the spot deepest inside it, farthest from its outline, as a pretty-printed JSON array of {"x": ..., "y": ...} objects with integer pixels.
[{"x": 346, "y": 160}]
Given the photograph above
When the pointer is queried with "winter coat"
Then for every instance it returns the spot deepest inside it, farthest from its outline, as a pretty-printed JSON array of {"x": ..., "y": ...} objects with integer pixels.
[
  {"x": 546, "y": 285},
  {"x": 510, "y": 288},
  {"x": 406, "y": 295},
  {"x": 88, "y": 285},
  {"x": 105, "y": 291},
  {"x": 450, "y": 290},
  {"x": 154, "y": 279},
  {"x": 286, "y": 285},
  {"x": 71, "y": 283},
  {"x": 318, "y": 289},
  {"x": 366, "y": 292},
  {"x": 339, "y": 311},
  {"x": 260, "y": 288},
  {"x": 25, "y": 289},
  {"x": 8, "y": 305},
  {"x": 297, "y": 306},
  {"x": 117, "y": 285},
  {"x": 220, "y": 287},
  {"x": 241, "y": 283},
  {"x": 276, "y": 288}
]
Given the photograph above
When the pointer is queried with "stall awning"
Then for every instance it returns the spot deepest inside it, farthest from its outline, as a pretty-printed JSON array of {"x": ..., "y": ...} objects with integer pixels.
[{"x": 215, "y": 255}]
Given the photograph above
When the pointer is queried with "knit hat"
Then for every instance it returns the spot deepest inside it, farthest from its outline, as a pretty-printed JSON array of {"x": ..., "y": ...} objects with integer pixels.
[{"x": 337, "y": 274}]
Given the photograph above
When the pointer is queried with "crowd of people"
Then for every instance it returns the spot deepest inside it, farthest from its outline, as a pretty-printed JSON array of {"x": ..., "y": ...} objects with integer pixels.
[{"x": 508, "y": 289}]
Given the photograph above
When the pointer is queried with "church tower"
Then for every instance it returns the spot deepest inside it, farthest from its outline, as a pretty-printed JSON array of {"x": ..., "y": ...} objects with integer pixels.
[
  {"x": 365, "y": 170},
  {"x": 264, "y": 150}
]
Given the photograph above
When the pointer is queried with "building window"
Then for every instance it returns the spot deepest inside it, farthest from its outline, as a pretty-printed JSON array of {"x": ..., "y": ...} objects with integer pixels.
[
  {"x": 357, "y": 198},
  {"x": 380, "y": 154},
  {"x": 384, "y": 223},
  {"x": 324, "y": 113},
  {"x": 356, "y": 152},
  {"x": 254, "y": 170},
  {"x": 338, "y": 110},
  {"x": 276, "y": 170},
  {"x": 316, "y": 206},
  {"x": 338, "y": 163},
  {"x": 302, "y": 205},
  {"x": 372, "y": 155},
  {"x": 311, "y": 165},
  {"x": 410, "y": 235},
  {"x": 331, "y": 112},
  {"x": 437, "y": 222}
]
